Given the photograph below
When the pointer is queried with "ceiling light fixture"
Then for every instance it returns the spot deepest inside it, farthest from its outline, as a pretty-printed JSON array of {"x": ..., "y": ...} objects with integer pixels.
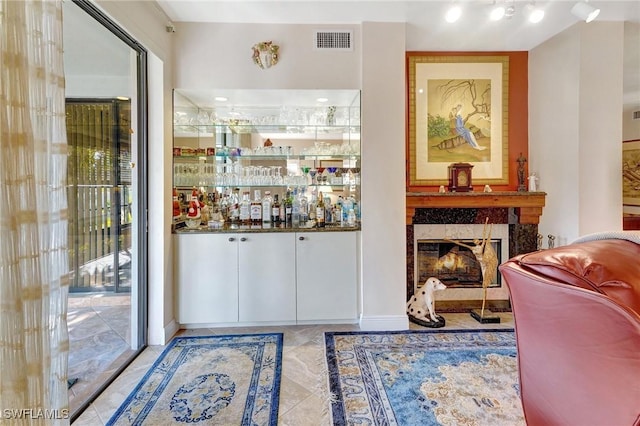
[
  {"x": 453, "y": 14},
  {"x": 221, "y": 99},
  {"x": 536, "y": 14},
  {"x": 497, "y": 13},
  {"x": 585, "y": 11},
  {"x": 322, "y": 100}
]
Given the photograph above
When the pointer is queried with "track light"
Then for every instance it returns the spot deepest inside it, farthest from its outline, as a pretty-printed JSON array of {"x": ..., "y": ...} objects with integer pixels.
[
  {"x": 585, "y": 11},
  {"x": 536, "y": 14},
  {"x": 453, "y": 14},
  {"x": 497, "y": 13}
]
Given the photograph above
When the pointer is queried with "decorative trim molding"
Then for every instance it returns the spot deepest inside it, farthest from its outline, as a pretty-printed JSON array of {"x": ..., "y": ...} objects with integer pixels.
[{"x": 384, "y": 322}]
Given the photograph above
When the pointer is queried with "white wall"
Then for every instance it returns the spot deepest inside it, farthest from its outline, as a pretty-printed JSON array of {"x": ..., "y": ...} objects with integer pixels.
[
  {"x": 219, "y": 56},
  {"x": 384, "y": 261},
  {"x": 575, "y": 104}
]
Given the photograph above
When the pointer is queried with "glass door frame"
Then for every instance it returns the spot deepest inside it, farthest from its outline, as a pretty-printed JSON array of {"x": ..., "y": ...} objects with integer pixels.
[{"x": 140, "y": 169}]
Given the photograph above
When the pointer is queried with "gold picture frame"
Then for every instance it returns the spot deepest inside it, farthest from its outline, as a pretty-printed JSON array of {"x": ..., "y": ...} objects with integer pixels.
[
  {"x": 457, "y": 112},
  {"x": 631, "y": 173}
]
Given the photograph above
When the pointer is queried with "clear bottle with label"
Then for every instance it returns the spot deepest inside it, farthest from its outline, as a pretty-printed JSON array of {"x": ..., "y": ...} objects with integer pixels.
[
  {"x": 234, "y": 203},
  {"x": 245, "y": 209},
  {"x": 304, "y": 208},
  {"x": 320, "y": 213},
  {"x": 295, "y": 209},
  {"x": 267, "y": 203},
  {"x": 255, "y": 209},
  {"x": 288, "y": 209}
]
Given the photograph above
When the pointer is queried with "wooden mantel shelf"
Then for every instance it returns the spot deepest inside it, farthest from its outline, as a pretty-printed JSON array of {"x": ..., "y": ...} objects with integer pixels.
[{"x": 528, "y": 204}]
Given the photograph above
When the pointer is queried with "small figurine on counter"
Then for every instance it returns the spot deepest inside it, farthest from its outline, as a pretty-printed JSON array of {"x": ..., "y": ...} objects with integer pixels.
[
  {"x": 195, "y": 206},
  {"x": 177, "y": 211}
]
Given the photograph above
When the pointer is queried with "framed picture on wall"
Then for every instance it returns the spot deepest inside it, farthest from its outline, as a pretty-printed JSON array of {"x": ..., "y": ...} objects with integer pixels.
[
  {"x": 631, "y": 173},
  {"x": 458, "y": 113}
]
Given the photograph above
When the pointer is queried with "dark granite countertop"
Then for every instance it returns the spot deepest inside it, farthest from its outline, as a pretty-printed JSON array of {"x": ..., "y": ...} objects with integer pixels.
[{"x": 233, "y": 228}]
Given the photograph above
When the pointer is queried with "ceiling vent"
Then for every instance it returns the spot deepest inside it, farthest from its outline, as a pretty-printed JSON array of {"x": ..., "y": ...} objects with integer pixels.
[
  {"x": 334, "y": 40},
  {"x": 636, "y": 115}
]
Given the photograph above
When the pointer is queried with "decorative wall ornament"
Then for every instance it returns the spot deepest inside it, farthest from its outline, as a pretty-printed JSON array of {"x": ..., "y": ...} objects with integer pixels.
[{"x": 265, "y": 54}]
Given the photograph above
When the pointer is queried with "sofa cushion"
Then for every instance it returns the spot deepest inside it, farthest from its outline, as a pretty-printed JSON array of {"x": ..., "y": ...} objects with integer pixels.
[{"x": 610, "y": 267}]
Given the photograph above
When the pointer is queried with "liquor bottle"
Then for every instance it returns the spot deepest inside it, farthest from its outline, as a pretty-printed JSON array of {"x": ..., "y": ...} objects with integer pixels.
[
  {"x": 275, "y": 210},
  {"x": 234, "y": 205},
  {"x": 304, "y": 208},
  {"x": 295, "y": 209},
  {"x": 267, "y": 204},
  {"x": 245, "y": 209},
  {"x": 312, "y": 208},
  {"x": 320, "y": 211},
  {"x": 256, "y": 208},
  {"x": 288, "y": 207}
]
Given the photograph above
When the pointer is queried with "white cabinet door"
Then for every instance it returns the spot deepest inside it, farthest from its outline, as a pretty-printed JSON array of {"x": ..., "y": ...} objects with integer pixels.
[
  {"x": 327, "y": 276},
  {"x": 206, "y": 270},
  {"x": 267, "y": 277}
]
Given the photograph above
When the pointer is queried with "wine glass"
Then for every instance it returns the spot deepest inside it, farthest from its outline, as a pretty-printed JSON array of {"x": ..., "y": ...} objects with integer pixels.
[
  {"x": 332, "y": 176},
  {"x": 305, "y": 171},
  {"x": 313, "y": 173},
  {"x": 321, "y": 178}
]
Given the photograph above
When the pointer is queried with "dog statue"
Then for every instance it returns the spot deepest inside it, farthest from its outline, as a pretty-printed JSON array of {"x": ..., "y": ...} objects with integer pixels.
[{"x": 420, "y": 307}]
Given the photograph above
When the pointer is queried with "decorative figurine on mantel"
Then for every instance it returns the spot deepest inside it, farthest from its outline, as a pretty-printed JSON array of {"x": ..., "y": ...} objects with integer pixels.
[
  {"x": 488, "y": 260},
  {"x": 521, "y": 173},
  {"x": 421, "y": 306}
]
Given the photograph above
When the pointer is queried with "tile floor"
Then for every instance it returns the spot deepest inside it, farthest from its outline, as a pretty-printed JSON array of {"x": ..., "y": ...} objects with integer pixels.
[
  {"x": 303, "y": 365},
  {"x": 99, "y": 340}
]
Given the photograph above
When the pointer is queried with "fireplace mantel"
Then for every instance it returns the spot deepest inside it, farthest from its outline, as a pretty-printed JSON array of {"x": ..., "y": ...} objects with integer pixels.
[{"x": 528, "y": 205}]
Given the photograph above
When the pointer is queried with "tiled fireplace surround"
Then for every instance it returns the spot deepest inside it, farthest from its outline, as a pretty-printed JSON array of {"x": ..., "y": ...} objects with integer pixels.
[{"x": 521, "y": 211}]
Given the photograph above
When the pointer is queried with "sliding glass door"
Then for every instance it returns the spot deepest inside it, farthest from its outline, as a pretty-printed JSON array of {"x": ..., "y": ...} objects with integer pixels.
[{"x": 105, "y": 73}]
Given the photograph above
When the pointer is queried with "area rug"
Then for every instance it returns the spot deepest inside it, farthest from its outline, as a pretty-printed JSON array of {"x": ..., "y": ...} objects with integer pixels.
[
  {"x": 221, "y": 380},
  {"x": 424, "y": 378}
]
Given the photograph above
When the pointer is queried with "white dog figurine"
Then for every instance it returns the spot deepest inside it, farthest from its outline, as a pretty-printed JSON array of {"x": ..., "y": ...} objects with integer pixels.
[{"x": 421, "y": 303}]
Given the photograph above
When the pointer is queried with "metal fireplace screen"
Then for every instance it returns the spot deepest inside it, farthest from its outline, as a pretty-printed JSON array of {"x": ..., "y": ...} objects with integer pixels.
[{"x": 456, "y": 266}]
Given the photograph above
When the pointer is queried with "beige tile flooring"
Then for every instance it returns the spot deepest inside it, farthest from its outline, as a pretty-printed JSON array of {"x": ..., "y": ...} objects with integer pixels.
[
  {"x": 99, "y": 341},
  {"x": 301, "y": 391}
]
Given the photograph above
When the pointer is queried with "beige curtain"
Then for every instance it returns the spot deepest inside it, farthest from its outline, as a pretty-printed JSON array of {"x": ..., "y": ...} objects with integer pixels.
[{"x": 34, "y": 342}]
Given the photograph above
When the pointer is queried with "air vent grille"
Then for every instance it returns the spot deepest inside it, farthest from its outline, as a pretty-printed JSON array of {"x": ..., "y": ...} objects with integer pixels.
[
  {"x": 636, "y": 115},
  {"x": 336, "y": 40}
]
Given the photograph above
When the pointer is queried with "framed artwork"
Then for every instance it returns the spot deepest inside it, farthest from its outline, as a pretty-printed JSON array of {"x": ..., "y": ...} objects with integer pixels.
[
  {"x": 458, "y": 113},
  {"x": 631, "y": 173}
]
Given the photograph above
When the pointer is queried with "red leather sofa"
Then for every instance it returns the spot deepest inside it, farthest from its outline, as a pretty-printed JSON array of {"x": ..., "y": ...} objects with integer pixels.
[{"x": 577, "y": 321}]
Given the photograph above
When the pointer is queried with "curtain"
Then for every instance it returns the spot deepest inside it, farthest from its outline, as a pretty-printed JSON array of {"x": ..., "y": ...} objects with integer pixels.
[{"x": 34, "y": 342}]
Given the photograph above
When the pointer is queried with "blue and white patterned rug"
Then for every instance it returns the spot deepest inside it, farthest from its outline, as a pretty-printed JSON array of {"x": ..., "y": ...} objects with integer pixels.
[
  {"x": 425, "y": 378},
  {"x": 221, "y": 380}
]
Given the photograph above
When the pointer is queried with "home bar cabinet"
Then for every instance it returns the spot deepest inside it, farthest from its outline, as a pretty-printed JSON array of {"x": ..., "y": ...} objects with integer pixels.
[{"x": 239, "y": 259}]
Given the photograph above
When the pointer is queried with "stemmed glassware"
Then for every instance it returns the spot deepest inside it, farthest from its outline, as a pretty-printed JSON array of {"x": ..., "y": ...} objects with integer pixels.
[
  {"x": 305, "y": 171},
  {"x": 332, "y": 174},
  {"x": 313, "y": 173},
  {"x": 321, "y": 179}
]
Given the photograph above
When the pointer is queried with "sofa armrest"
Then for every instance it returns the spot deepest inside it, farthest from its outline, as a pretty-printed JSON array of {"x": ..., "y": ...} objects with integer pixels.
[{"x": 610, "y": 267}]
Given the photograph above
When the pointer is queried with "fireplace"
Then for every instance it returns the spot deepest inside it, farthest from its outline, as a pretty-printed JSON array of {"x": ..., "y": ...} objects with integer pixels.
[
  {"x": 456, "y": 266},
  {"x": 438, "y": 217}
]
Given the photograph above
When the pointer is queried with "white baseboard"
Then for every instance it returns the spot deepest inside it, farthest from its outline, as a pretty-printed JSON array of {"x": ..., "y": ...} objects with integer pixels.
[
  {"x": 169, "y": 331},
  {"x": 384, "y": 322}
]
